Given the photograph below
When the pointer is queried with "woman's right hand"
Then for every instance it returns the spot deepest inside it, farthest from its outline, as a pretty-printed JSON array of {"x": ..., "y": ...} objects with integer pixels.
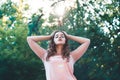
[{"x": 52, "y": 34}]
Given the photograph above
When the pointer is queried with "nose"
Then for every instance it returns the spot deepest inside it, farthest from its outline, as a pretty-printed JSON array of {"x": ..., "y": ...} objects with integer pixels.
[{"x": 59, "y": 36}]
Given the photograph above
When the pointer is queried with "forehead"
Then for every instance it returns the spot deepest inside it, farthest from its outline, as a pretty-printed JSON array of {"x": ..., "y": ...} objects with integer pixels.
[{"x": 59, "y": 33}]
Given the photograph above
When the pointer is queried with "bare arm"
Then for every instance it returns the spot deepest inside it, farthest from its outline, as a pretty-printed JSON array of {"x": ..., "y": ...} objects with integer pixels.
[
  {"x": 32, "y": 41},
  {"x": 77, "y": 53}
]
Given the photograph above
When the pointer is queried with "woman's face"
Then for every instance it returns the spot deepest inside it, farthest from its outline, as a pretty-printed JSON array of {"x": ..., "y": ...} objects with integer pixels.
[{"x": 59, "y": 38}]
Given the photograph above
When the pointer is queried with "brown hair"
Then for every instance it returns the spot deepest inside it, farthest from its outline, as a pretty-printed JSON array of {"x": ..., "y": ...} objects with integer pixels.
[{"x": 52, "y": 48}]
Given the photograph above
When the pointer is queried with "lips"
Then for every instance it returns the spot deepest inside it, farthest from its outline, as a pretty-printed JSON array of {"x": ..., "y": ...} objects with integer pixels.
[{"x": 59, "y": 39}]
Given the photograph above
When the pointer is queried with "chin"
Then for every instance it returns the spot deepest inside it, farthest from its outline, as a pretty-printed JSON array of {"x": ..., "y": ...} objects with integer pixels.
[{"x": 60, "y": 43}]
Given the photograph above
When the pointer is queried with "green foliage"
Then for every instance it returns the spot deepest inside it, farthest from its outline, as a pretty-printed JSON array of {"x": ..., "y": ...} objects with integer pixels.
[
  {"x": 16, "y": 58},
  {"x": 35, "y": 24},
  {"x": 9, "y": 8}
]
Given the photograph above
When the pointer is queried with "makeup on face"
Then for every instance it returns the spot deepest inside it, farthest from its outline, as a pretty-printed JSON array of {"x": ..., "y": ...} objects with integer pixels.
[
  {"x": 59, "y": 35},
  {"x": 59, "y": 38}
]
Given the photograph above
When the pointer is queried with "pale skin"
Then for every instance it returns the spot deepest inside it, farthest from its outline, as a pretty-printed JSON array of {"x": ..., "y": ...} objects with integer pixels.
[{"x": 59, "y": 39}]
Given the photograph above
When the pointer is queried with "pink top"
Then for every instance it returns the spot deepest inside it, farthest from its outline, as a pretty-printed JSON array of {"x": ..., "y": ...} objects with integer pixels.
[{"x": 58, "y": 68}]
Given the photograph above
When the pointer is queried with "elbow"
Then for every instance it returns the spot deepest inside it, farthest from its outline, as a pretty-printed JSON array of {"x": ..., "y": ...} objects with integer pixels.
[
  {"x": 88, "y": 41},
  {"x": 28, "y": 38}
]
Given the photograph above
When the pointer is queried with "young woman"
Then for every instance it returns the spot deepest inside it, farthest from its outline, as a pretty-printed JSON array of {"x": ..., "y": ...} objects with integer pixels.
[{"x": 58, "y": 60}]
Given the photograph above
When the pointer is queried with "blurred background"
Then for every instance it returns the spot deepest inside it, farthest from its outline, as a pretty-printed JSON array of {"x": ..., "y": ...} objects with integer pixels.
[{"x": 98, "y": 20}]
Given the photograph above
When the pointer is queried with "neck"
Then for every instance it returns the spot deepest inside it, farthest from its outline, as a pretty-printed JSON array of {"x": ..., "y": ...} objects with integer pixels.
[{"x": 59, "y": 49}]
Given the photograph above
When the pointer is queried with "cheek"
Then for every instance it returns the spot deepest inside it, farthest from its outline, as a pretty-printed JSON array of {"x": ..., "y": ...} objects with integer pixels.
[
  {"x": 64, "y": 39},
  {"x": 55, "y": 40}
]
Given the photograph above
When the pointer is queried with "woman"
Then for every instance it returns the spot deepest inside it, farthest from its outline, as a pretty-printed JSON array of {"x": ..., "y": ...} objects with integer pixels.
[{"x": 58, "y": 60}]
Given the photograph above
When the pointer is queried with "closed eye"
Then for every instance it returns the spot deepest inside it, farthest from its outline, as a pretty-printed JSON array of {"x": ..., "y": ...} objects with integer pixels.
[
  {"x": 63, "y": 36},
  {"x": 56, "y": 36}
]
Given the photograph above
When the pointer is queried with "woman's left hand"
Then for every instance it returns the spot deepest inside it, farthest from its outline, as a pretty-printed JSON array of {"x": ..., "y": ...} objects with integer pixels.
[{"x": 66, "y": 34}]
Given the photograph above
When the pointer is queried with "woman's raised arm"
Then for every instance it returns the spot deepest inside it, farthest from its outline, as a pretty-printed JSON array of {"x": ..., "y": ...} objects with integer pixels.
[
  {"x": 77, "y": 53},
  {"x": 37, "y": 49}
]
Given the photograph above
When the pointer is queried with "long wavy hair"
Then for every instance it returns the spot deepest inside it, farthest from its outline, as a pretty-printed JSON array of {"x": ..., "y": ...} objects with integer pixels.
[{"x": 52, "y": 48}]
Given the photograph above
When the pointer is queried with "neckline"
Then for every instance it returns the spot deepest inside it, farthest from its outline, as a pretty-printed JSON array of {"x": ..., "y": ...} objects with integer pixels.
[{"x": 57, "y": 55}]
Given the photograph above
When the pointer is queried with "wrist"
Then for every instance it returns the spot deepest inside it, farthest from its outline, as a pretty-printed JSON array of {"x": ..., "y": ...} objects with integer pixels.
[{"x": 50, "y": 36}]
